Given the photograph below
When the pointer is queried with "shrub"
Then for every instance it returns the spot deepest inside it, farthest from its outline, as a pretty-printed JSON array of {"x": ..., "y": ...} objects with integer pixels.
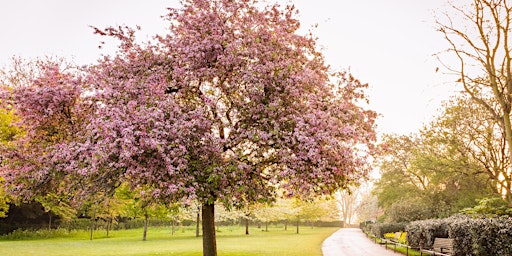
[
  {"x": 490, "y": 207},
  {"x": 471, "y": 236},
  {"x": 504, "y": 236},
  {"x": 491, "y": 236},
  {"x": 459, "y": 231},
  {"x": 379, "y": 229},
  {"x": 421, "y": 234},
  {"x": 23, "y": 234},
  {"x": 365, "y": 226}
]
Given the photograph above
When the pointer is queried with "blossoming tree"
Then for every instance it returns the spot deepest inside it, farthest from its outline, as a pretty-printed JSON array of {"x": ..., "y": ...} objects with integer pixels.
[{"x": 231, "y": 105}]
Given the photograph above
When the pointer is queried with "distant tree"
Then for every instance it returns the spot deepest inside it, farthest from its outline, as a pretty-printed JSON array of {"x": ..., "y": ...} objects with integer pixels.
[
  {"x": 312, "y": 211},
  {"x": 227, "y": 215},
  {"x": 21, "y": 72},
  {"x": 49, "y": 112},
  {"x": 409, "y": 209},
  {"x": 479, "y": 35},
  {"x": 137, "y": 204},
  {"x": 443, "y": 169},
  {"x": 399, "y": 178},
  {"x": 368, "y": 208},
  {"x": 4, "y": 200},
  {"x": 8, "y": 131},
  {"x": 56, "y": 205},
  {"x": 266, "y": 213},
  {"x": 348, "y": 201},
  {"x": 8, "y": 127},
  {"x": 467, "y": 150}
]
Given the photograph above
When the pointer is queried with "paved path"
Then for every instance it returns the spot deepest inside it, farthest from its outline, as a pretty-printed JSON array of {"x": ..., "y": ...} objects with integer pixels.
[{"x": 353, "y": 242}]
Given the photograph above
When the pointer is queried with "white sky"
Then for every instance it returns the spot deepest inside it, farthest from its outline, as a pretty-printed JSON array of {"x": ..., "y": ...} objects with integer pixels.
[{"x": 386, "y": 43}]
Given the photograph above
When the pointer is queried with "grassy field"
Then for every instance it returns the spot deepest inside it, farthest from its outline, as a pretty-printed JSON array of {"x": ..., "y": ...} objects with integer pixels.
[{"x": 230, "y": 241}]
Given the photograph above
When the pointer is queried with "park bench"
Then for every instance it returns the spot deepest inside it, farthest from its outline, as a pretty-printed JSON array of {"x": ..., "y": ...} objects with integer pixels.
[
  {"x": 393, "y": 240},
  {"x": 441, "y": 247}
]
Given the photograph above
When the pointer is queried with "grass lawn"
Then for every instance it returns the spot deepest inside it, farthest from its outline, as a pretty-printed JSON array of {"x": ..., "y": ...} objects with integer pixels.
[{"x": 230, "y": 241}]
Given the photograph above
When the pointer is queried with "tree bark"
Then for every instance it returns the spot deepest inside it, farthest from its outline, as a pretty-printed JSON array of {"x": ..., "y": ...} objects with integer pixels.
[
  {"x": 93, "y": 219},
  {"x": 109, "y": 225},
  {"x": 209, "y": 240},
  {"x": 146, "y": 222},
  {"x": 508, "y": 136},
  {"x": 198, "y": 219},
  {"x": 298, "y": 222},
  {"x": 49, "y": 222},
  {"x": 247, "y": 226}
]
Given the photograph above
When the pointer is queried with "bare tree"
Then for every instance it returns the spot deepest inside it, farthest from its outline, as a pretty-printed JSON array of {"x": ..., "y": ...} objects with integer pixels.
[
  {"x": 478, "y": 35},
  {"x": 348, "y": 203}
]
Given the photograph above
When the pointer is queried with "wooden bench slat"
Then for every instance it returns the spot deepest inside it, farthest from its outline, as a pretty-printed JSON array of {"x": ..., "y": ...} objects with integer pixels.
[{"x": 441, "y": 246}]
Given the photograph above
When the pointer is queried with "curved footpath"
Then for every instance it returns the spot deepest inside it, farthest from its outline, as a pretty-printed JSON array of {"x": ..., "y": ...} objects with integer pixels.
[{"x": 352, "y": 242}]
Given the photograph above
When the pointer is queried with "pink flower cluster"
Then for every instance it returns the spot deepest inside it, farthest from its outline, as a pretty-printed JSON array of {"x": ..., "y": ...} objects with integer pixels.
[{"x": 232, "y": 104}]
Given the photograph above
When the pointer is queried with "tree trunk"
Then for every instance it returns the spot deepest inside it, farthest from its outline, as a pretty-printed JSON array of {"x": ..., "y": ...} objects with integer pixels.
[
  {"x": 266, "y": 226},
  {"x": 298, "y": 222},
  {"x": 146, "y": 222},
  {"x": 209, "y": 240},
  {"x": 109, "y": 225},
  {"x": 285, "y": 225},
  {"x": 198, "y": 219},
  {"x": 173, "y": 227},
  {"x": 508, "y": 137},
  {"x": 49, "y": 222},
  {"x": 93, "y": 220},
  {"x": 247, "y": 226}
]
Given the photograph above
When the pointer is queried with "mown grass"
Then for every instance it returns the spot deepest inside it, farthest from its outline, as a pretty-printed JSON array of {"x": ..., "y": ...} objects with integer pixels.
[{"x": 230, "y": 241}]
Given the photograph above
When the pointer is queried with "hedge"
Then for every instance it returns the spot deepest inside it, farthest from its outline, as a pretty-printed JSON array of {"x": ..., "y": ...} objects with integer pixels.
[
  {"x": 379, "y": 229},
  {"x": 471, "y": 236},
  {"x": 421, "y": 234}
]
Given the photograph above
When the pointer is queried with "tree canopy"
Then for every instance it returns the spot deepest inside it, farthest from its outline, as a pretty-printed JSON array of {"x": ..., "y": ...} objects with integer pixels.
[
  {"x": 478, "y": 34},
  {"x": 454, "y": 161}
]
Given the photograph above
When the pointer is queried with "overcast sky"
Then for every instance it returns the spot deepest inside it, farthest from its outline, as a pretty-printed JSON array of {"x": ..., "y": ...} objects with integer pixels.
[{"x": 386, "y": 43}]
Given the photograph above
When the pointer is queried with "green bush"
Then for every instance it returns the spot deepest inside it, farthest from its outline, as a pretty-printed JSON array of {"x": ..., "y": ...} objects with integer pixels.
[
  {"x": 490, "y": 207},
  {"x": 379, "y": 229},
  {"x": 471, "y": 236},
  {"x": 23, "y": 234},
  {"x": 482, "y": 236},
  {"x": 421, "y": 234},
  {"x": 458, "y": 230},
  {"x": 365, "y": 226}
]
